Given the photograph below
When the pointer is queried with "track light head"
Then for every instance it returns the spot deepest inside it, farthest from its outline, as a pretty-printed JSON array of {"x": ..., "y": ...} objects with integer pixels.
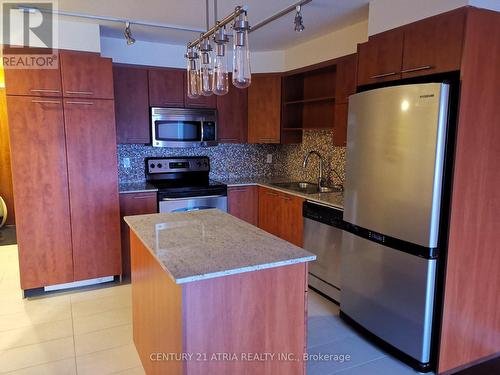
[
  {"x": 299, "y": 25},
  {"x": 128, "y": 34}
]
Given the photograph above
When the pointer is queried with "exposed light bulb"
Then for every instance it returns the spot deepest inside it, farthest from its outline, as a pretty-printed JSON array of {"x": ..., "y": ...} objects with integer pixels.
[
  {"x": 220, "y": 85},
  {"x": 193, "y": 74},
  {"x": 206, "y": 68},
  {"x": 241, "y": 53}
]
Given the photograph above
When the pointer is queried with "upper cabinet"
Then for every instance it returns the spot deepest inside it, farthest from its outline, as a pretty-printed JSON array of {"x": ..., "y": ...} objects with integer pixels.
[
  {"x": 232, "y": 111},
  {"x": 434, "y": 45},
  {"x": 380, "y": 58},
  {"x": 264, "y": 108},
  {"x": 429, "y": 46},
  {"x": 166, "y": 87},
  {"x": 131, "y": 104},
  {"x": 86, "y": 75},
  {"x": 35, "y": 82},
  {"x": 200, "y": 102}
]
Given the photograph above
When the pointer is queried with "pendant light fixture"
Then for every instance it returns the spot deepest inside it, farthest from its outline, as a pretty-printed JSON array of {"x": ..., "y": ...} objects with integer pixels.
[
  {"x": 220, "y": 85},
  {"x": 241, "y": 52},
  {"x": 206, "y": 69},
  {"x": 213, "y": 75},
  {"x": 193, "y": 74}
]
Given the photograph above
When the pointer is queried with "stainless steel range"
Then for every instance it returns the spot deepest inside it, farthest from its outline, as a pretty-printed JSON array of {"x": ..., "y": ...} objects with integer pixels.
[{"x": 184, "y": 184}]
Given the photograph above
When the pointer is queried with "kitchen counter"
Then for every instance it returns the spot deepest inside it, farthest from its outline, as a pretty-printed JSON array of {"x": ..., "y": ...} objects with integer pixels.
[
  {"x": 334, "y": 199},
  {"x": 201, "y": 281},
  {"x": 136, "y": 187},
  {"x": 199, "y": 245}
]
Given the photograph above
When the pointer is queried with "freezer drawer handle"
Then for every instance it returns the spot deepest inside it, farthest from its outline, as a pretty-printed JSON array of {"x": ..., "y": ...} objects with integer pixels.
[
  {"x": 45, "y": 90},
  {"x": 81, "y": 103},
  {"x": 80, "y": 92},
  {"x": 46, "y": 101}
]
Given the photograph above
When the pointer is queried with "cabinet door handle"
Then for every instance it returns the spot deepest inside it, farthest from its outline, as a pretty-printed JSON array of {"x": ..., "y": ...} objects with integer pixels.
[
  {"x": 384, "y": 75},
  {"x": 80, "y": 92},
  {"x": 46, "y": 101},
  {"x": 81, "y": 103},
  {"x": 417, "y": 69},
  {"x": 45, "y": 90}
]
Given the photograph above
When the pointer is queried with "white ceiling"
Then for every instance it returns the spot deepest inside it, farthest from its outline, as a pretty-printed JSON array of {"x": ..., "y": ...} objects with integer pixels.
[{"x": 320, "y": 17}]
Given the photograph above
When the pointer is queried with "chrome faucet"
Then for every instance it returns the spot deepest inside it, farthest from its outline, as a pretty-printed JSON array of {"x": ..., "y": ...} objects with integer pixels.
[{"x": 320, "y": 174}]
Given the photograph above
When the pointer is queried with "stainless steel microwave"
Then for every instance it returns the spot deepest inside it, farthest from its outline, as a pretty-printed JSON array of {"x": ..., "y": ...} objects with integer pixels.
[{"x": 181, "y": 127}]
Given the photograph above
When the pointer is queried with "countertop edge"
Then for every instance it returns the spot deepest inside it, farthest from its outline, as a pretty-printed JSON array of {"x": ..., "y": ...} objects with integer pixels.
[
  {"x": 287, "y": 191},
  {"x": 213, "y": 275}
]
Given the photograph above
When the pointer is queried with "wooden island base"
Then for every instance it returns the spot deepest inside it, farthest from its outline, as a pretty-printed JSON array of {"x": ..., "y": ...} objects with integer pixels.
[{"x": 225, "y": 325}]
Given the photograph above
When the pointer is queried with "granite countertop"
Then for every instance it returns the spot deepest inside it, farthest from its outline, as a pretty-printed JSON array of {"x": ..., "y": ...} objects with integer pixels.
[
  {"x": 334, "y": 199},
  {"x": 199, "y": 245},
  {"x": 136, "y": 187}
]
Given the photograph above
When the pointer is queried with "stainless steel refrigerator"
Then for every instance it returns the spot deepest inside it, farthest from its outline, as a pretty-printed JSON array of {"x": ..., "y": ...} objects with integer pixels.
[{"x": 393, "y": 193}]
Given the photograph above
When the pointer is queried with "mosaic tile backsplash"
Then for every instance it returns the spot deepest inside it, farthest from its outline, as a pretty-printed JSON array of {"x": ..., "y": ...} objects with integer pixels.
[{"x": 244, "y": 160}]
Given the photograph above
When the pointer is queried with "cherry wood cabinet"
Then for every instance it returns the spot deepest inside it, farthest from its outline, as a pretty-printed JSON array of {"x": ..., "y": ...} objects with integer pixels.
[
  {"x": 281, "y": 215},
  {"x": 380, "y": 59},
  {"x": 232, "y": 110},
  {"x": 243, "y": 202},
  {"x": 340, "y": 129},
  {"x": 41, "y": 194},
  {"x": 264, "y": 108},
  {"x": 200, "y": 102},
  {"x": 345, "y": 80},
  {"x": 434, "y": 45},
  {"x": 34, "y": 82},
  {"x": 86, "y": 75},
  {"x": 133, "y": 204},
  {"x": 166, "y": 87},
  {"x": 131, "y": 104},
  {"x": 93, "y": 187}
]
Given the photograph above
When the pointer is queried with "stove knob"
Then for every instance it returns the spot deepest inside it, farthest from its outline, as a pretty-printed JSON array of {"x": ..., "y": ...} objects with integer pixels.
[
  {"x": 198, "y": 163},
  {"x": 159, "y": 165},
  {"x": 152, "y": 165},
  {"x": 205, "y": 164}
]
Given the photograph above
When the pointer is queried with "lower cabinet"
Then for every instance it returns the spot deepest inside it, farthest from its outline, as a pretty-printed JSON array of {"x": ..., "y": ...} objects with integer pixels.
[
  {"x": 133, "y": 204},
  {"x": 281, "y": 215},
  {"x": 243, "y": 203}
]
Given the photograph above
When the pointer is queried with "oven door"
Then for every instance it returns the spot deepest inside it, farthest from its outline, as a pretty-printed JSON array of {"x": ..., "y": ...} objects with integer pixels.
[{"x": 193, "y": 203}]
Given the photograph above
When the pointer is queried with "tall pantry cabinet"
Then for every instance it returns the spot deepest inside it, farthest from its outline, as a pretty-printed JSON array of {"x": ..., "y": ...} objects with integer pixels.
[{"x": 64, "y": 167}]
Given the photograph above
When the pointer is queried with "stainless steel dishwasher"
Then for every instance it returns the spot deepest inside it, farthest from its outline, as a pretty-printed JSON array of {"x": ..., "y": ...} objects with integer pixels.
[{"x": 323, "y": 237}]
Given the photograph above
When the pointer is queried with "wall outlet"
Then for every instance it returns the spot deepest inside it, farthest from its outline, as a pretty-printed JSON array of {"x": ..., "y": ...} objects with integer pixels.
[
  {"x": 269, "y": 158},
  {"x": 126, "y": 162}
]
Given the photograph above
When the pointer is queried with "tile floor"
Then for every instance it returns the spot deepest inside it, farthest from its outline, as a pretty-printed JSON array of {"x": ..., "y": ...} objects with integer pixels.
[{"x": 90, "y": 332}]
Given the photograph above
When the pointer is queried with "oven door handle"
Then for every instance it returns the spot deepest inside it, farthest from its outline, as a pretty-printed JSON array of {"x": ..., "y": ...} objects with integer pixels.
[{"x": 191, "y": 198}]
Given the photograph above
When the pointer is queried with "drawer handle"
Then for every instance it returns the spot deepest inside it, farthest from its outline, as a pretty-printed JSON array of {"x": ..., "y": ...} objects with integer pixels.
[
  {"x": 384, "y": 75},
  {"x": 46, "y": 101},
  {"x": 80, "y": 92},
  {"x": 81, "y": 103},
  {"x": 417, "y": 69},
  {"x": 273, "y": 194},
  {"x": 45, "y": 90},
  {"x": 228, "y": 139},
  {"x": 143, "y": 197},
  {"x": 268, "y": 140},
  {"x": 139, "y": 140},
  {"x": 233, "y": 190},
  {"x": 286, "y": 198}
]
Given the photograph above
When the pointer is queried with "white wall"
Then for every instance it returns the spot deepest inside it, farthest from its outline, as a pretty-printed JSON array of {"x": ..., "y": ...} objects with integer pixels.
[
  {"x": 389, "y": 14},
  {"x": 336, "y": 44},
  {"x": 171, "y": 55},
  {"x": 71, "y": 35}
]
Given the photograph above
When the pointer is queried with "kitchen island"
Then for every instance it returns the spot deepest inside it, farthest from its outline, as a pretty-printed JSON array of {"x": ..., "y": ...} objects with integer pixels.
[{"x": 212, "y": 294}]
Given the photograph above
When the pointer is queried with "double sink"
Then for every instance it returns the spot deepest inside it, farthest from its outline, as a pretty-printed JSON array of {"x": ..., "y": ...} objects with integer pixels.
[{"x": 307, "y": 187}]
